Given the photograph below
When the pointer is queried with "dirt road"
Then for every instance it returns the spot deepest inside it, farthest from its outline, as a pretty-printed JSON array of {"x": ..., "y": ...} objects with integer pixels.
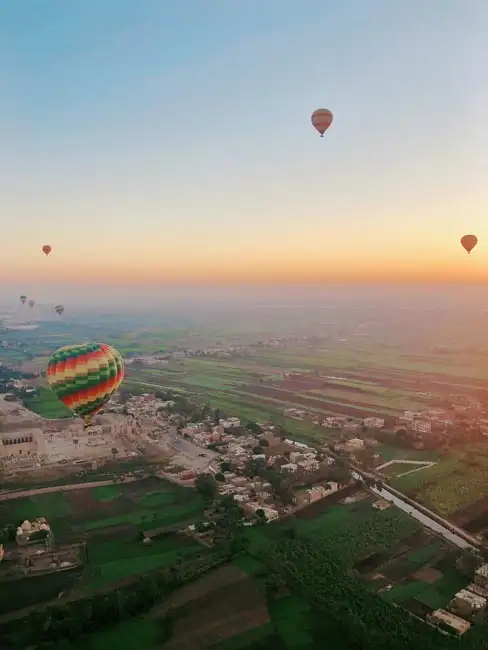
[{"x": 7, "y": 496}]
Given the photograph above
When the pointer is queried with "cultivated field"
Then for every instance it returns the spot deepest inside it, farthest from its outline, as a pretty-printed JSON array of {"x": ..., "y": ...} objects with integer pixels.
[
  {"x": 229, "y": 608},
  {"x": 454, "y": 487},
  {"x": 339, "y": 383},
  {"x": 110, "y": 520}
]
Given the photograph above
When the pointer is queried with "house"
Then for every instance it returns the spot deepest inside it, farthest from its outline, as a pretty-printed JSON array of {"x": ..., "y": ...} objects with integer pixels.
[
  {"x": 466, "y": 603},
  {"x": 443, "y": 618},
  {"x": 334, "y": 422},
  {"x": 270, "y": 513},
  {"x": 422, "y": 426},
  {"x": 354, "y": 444},
  {"x": 374, "y": 423},
  {"x": 290, "y": 468},
  {"x": 309, "y": 464},
  {"x": 481, "y": 576},
  {"x": 230, "y": 422},
  {"x": 34, "y": 532}
]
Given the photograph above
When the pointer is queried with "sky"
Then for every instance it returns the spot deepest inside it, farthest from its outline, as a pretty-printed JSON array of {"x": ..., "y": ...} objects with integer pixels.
[{"x": 162, "y": 142}]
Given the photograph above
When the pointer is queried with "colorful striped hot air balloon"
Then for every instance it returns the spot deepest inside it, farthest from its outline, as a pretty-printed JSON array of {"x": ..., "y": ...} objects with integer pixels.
[
  {"x": 85, "y": 376},
  {"x": 46, "y": 249}
]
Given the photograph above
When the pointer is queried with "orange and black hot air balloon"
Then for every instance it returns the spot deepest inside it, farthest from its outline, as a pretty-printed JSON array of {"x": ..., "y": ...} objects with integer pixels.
[
  {"x": 468, "y": 242},
  {"x": 46, "y": 249},
  {"x": 321, "y": 120}
]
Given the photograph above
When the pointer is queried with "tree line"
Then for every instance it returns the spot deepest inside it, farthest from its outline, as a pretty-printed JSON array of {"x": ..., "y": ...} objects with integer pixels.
[{"x": 352, "y": 612}]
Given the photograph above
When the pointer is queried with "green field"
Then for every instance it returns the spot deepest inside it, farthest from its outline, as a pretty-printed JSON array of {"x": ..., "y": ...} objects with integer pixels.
[
  {"x": 47, "y": 405},
  {"x": 110, "y": 519},
  {"x": 444, "y": 487}
]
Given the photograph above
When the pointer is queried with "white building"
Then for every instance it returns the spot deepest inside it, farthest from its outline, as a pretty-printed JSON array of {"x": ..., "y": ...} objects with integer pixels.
[
  {"x": 459, "y": 625},
  {"x": 270, "y": 513},
  {"x": 374, "y": 423},
  {"x": 466, "y": 603},
  {"x": 309, "y": 464},
  {"x": 334, "y": 422},
  {"x": 290, "y": 468},
  {"x": 481, "y": 576},
  {"x": 230, "y": 422},
  {"x": 354, "y": 444},
  {"x": 422, "y": 426}
]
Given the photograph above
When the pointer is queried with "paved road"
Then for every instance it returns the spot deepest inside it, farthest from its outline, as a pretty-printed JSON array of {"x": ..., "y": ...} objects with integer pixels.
[{"x": 425, "y": 516}]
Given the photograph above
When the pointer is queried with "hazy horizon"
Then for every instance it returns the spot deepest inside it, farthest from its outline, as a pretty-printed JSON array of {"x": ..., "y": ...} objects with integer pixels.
[{"x": 105, "y": 298}]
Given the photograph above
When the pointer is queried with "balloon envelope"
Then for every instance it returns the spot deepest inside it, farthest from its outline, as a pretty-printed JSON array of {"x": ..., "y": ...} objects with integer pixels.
[
  {"x": 59, "y": 309},
  {"x": 46, "y": 249},
  {"x": 23, "y": 299},
  {"x": 85, "y": 376},
  {"x": 321, "y": 120},
  {"x": 468, "y": 242},
  {"x": 31, "y": 303}
]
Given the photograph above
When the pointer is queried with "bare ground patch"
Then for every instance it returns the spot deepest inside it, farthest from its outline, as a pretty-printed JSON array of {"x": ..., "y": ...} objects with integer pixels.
[
  {"x": 225, "y": 612},
  {"x": 427, "y": 574},
  {"x": 220, "y": 577},
  {"x": 84, "y": 506}
]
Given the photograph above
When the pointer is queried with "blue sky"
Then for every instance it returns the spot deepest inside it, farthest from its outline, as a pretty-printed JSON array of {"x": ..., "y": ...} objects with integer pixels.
[{"x": 158, "y": 138}]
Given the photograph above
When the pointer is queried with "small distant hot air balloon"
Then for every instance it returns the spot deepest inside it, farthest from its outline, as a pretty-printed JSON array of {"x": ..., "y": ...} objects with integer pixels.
[
  {"x": 46, "y": 249},
  {"x": 23, "y": 299},
  {"x": 321, "y": 120},
  {"x": 85, "y": 376},
  {"x": 31, "y": 303},
  {"x": 59, "y": 309},
  {"x": 468, "y": 242}
]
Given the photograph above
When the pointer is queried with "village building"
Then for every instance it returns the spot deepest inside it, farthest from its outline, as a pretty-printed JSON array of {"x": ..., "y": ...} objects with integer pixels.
[
  {"x": 481, "y": 576},
  {"x": 422, "y": 426},
  {"x": 289, "y": 468},
  {"x": 443, "y": 618},
  {"x": 465, "y": 603},
  {"x": 374, "y": 423}
]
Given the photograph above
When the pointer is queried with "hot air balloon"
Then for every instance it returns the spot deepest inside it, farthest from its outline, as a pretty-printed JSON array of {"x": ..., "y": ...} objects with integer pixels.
[
  {"x": 23, "y": 299},
  {"x": 321, "y": 120},
  {"x": 59, "y": 309},
  {"x": 85, "y": 376},
  {"x": 468, "y": 242},
  {"x": 46, "y": 249},
  {"x": 31, "y": 303}
]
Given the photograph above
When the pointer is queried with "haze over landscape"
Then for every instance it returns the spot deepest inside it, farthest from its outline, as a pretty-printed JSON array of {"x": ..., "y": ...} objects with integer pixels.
[{"x": 243, "y": 369}]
